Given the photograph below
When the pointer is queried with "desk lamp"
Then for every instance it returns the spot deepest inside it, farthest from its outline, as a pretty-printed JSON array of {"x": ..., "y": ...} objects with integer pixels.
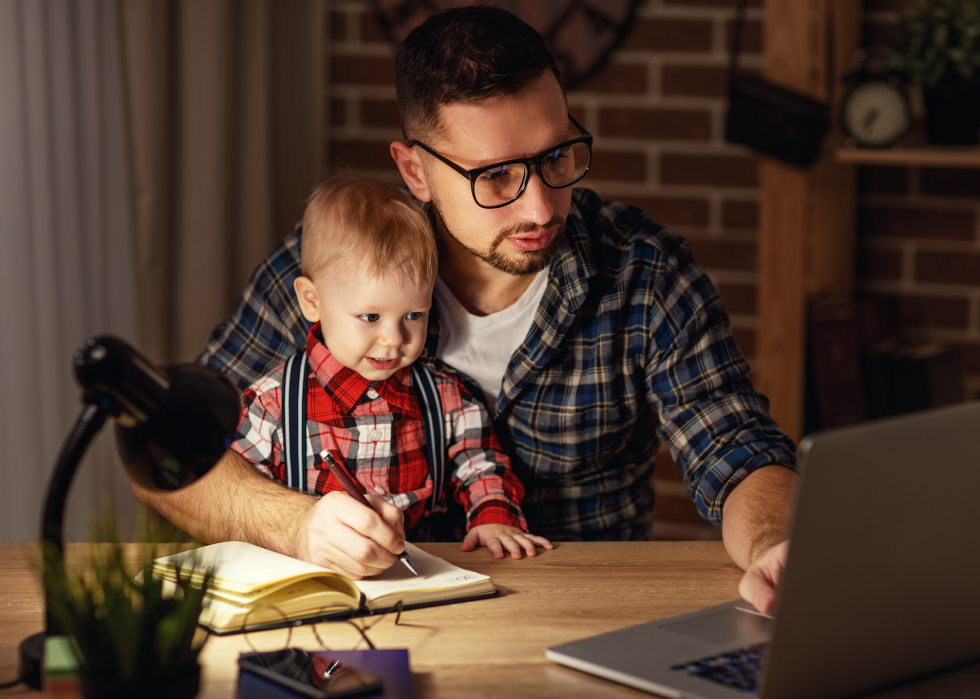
[{"x": 172, "y": 426}]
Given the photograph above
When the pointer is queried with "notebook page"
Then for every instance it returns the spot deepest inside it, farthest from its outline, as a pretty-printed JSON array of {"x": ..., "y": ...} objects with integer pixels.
[{"x": 434, "y": 574}]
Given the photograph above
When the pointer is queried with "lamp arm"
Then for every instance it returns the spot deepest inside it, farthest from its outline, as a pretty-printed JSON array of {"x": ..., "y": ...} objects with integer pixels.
[{"x": 88, "y": 424}]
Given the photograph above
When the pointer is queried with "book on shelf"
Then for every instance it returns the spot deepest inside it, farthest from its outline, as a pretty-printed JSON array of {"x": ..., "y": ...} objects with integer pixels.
[{"x": 265, "y": 589}]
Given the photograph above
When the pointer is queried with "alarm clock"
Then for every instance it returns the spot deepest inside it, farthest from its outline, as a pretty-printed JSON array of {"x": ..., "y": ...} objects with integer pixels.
[{"x": 875, "y": 113}]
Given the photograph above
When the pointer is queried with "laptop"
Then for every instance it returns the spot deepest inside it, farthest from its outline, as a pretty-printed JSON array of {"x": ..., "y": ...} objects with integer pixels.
[{"x": 882, "y": 581}]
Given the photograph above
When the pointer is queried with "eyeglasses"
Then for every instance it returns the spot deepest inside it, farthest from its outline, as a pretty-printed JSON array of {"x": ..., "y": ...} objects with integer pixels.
[{"x": 502, "y": 183}]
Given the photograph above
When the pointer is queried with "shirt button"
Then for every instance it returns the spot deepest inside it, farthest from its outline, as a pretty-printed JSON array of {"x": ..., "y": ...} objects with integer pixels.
[
  {"x": 376, "y": 435},
  {"x": 372, "y": 394},
  {"x": 425, "y": 352},
  {"x": 379, "y": 490}
]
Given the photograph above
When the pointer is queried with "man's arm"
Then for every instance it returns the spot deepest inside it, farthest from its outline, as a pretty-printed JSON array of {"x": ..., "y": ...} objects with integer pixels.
[
  {"x": 234, "y": 502},
  {"x": 755, "y": 531}
]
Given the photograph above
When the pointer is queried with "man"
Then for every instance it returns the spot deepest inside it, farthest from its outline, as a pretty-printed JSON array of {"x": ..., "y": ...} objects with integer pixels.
[{"x": 588, "y": 326}]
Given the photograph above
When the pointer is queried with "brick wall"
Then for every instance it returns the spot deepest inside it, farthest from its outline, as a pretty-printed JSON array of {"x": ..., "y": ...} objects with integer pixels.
[
  {"x": 919, "y": 236},
  {"x": 656, "y": 112}
]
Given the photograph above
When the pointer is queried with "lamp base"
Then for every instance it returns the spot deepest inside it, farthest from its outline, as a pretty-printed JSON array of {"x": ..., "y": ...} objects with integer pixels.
[{"x": 31, "y": 659}]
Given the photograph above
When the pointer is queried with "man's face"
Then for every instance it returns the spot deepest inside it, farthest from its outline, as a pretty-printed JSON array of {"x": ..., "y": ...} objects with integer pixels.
[
  {"x": 523, "y": 237},
  {"x": 373, "y": 325}
]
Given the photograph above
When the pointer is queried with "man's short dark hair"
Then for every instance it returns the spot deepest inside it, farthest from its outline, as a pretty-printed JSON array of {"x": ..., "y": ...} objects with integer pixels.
[{"x": 465, "y": 54}]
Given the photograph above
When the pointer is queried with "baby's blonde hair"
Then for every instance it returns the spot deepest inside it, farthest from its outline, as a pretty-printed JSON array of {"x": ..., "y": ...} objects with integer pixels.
[{"x": 350, "y": 218}]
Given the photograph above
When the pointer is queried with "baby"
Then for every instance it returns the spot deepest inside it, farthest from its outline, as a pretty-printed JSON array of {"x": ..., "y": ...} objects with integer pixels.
[{"x": 369, "y": 262}]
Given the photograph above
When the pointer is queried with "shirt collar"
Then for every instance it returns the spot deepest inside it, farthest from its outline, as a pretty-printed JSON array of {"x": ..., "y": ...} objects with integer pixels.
[{"x": 344, "y": 387}]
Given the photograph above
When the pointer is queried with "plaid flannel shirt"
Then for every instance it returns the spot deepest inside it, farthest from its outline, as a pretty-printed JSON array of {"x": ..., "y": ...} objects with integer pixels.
[
  {"x": 377, "y": 430},
  {"x": 630, "y": 345}
]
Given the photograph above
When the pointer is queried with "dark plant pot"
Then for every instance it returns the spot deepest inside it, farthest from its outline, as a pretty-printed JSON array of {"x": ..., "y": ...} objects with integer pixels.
[
  {"x": 953, "y": 113},
  {"x": 179, "y": 686}
]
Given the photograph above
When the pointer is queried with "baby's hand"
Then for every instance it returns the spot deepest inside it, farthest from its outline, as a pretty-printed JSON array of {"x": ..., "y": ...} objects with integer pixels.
[{"x": 497, "y": 537}]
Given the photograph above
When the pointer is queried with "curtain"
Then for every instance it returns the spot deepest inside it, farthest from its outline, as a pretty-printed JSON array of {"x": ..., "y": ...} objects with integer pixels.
[
  {"x": 152, "y": 152},
  {"x": 66, "y": 269},
  {"x": 225, "y": 104}
]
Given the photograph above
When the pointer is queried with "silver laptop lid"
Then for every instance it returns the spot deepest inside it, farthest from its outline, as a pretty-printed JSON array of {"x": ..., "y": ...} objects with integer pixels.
[{"x": 883, "y": 573}]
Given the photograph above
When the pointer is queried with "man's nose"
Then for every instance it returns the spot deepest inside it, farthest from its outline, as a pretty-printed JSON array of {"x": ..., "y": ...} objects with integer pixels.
[{"x": 535, "y": 204}]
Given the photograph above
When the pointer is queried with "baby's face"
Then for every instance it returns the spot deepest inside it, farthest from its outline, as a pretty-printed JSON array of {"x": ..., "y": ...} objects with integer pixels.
[{"x": 374, "y": 326}]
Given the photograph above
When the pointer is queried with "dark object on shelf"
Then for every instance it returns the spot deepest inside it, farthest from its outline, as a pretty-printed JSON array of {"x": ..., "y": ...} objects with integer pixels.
[
  {"x": 953, "y": 113},
  {"x": 908, "y": 376},
  {"x": 781, "y": 123},
  {"x": 835, "y": 363},
  {"x": 581, "y": 35},
  {"x": 173, "y": 425}
]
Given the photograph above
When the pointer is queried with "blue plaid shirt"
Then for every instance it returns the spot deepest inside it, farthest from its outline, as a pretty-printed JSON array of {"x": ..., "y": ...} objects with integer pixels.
[{"x": 631, "y": 345}]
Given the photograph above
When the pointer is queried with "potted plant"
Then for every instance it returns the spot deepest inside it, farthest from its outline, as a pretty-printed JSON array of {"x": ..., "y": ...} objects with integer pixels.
[
  {"x": 940, "y": 51},
  {"x": 133, "y": 635}
]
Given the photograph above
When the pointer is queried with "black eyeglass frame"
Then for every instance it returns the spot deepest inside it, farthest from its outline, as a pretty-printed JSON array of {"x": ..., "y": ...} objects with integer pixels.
[{"x": 535, "y": 160}]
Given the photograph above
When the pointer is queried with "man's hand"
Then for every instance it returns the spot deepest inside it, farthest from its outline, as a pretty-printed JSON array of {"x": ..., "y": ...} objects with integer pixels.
[
  {"x": 341, "y": 534},
  {"x": 234, "y": 502},
  {"x": 760, "y": 581},
  {"x": 497, "y": 537},
  {"x": 755, "y": 528}
]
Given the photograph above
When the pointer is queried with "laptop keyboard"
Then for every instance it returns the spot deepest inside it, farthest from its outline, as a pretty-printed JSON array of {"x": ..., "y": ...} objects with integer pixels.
[{"x": 739, "y": 669}]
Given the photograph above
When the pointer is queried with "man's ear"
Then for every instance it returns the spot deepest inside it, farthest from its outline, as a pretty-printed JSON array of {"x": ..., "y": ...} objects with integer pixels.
[
  {"x": 409, "y": 165},
  {"x": 309, "y": 299}
]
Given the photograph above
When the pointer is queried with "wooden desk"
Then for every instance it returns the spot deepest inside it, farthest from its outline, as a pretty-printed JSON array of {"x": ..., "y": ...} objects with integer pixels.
[{"x": 491, "y": 647}]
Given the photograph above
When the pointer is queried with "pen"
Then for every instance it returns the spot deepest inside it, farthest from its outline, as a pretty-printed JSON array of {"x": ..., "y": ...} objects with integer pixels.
[{"x": 341, "y": 474}]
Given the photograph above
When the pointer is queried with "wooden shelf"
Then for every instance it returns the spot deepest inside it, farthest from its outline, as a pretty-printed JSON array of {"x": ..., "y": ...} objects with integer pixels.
[{"x": 924, "y": 156}]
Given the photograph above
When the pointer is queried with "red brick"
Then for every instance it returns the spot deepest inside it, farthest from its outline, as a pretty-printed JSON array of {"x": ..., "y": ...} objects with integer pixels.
[
  {"x": 338, "y": 112},
  {"x": 950, "y": 182},
  {"x": 933, "y": 312},
  {"x": 670, "y": 35},
  {"x": 724, "y": 254},
  {"x": 624, "y": 78},
  {"x": 751, "y": 36},
  {"x": 882, "y": 180},
  {"x": 358, "y": 155},
  {"x": 722, "y": 170},
  {"x": 740, "y": 214},
  {"x": 970, "y": 358},
  {"x": 370, "y": 29},
  {"x": 695, "y": 81},
  {"x": 671, "y": 124},
  {"x": 671, "y": 211},
  {"x": 338, "y": 26},
  {"x": 380, "y": 113},
  {"x": 739, "y": 298},
  {"x": 879, "y": 264},
  {"x": 618, "y": 165},
  {"x": 916, "y": 223},
  {"x": 745, "y": 339},
  {"x": 578, "y": 113},
  {"x": 946, "y": 268},
  {"x": 362, "y": 70}
]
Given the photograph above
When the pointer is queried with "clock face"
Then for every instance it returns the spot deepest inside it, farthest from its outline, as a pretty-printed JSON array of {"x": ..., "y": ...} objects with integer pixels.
[{"x": 876, "y": 113}]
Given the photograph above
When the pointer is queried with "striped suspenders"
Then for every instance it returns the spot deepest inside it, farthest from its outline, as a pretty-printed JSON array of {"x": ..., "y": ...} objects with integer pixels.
[
  {"x": 294, "y": 425},
  {"x": 294, "y": 420}
]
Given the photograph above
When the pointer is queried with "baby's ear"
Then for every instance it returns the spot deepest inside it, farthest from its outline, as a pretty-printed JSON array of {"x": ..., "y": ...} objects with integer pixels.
[{"x": 309, "y": 299}]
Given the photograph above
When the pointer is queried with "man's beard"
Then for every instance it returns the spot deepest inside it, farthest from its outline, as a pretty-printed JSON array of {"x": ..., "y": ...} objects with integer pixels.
[{"x": 530, "y": 261}]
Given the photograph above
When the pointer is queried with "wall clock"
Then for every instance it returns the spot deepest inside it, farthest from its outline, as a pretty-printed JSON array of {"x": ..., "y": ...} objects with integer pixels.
[{"x": 581, "y": 33}]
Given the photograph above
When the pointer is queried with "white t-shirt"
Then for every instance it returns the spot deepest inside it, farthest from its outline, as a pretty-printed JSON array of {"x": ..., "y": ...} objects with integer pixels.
[{"x": 481, "y": 346}]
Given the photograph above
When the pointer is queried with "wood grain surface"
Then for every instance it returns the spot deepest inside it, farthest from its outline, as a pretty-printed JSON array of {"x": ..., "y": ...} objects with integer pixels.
[{"x": 486, "y": 648}]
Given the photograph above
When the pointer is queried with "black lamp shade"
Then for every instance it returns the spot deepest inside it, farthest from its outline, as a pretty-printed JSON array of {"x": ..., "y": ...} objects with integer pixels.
[{"x": 188, "y": 433}]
